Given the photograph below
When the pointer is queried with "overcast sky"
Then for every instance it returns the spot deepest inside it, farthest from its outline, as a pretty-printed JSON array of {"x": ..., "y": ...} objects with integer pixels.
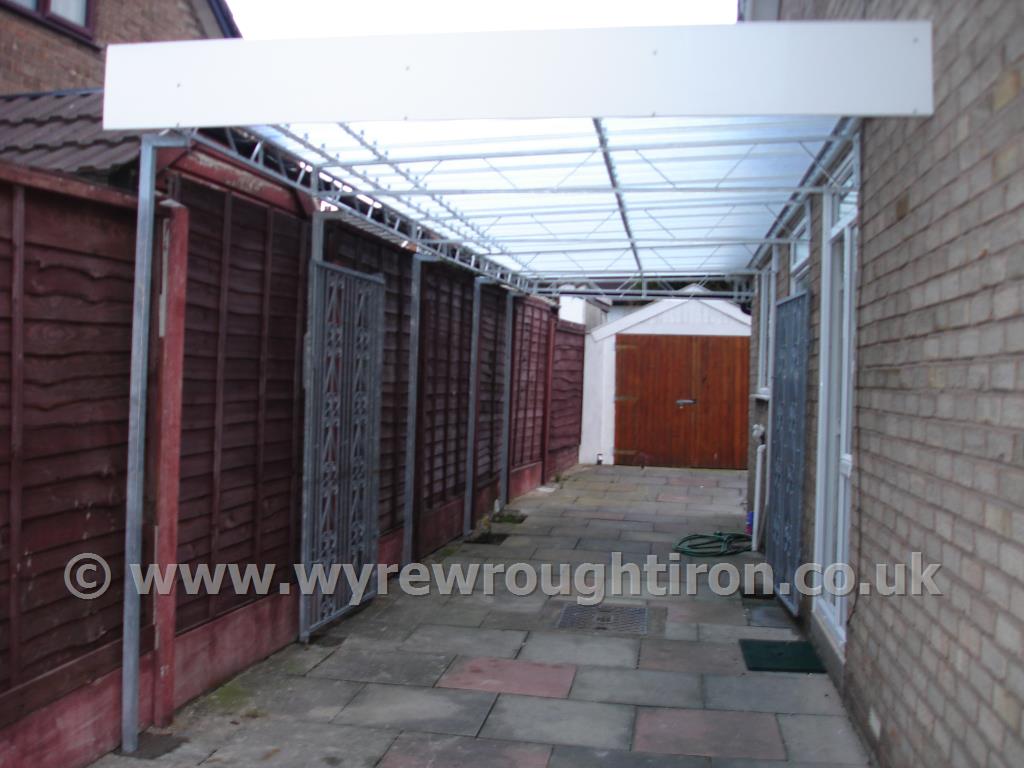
[{"x": 266, "y": 19}]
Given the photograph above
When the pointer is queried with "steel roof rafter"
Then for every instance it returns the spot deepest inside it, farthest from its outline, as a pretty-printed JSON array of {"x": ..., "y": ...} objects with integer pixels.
[
  {"x": 417, "y": 183},
  {"x": 334, "y": 195},
  {"x": 583, "y": 149},
  {"x": 641, "y": 159},
  {"x": 639, "y": 189}
]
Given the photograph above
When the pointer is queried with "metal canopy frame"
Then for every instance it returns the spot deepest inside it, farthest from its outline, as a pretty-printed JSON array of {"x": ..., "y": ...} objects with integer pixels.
[
  {"x": 588, "y": 205},
  {"x": 689, "y": 210}
]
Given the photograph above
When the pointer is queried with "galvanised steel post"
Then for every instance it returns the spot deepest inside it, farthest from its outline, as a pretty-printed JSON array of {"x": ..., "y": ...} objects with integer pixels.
[
  {"x": 412, "y": 409},
  {"x": 311, "y": 444},
  {"x": 137, "y": 434},
  {"x": 474, "y": 383},
  {"x": 506, "y": 417}
]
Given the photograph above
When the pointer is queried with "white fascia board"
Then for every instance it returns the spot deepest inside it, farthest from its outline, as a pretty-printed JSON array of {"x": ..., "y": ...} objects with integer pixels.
[{"x": 870, "y": 68}]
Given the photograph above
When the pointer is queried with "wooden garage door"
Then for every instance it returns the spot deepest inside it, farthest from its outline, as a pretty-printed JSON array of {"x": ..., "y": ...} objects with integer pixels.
[{"x": 681, "y": 401}]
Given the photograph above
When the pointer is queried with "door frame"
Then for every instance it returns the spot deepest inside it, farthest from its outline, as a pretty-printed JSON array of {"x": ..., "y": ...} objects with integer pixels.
[{"x": 836, "y": 392}]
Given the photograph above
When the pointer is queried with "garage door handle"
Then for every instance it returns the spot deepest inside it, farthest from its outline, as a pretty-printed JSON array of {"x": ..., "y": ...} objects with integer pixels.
[{"x": 681, "y": 403}]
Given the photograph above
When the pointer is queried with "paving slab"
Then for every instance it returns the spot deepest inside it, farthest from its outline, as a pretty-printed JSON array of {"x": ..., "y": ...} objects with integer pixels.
[
  {"x": 465, "y": 641},
  {"x": 558, "y": 721},
  {"x": 649, "y": 536},
  {"x": 578, "y": 530},
  {"x": 637, "y": 686},
  {"x": 519, "y": 541},
  {"x": 822, "y": 738},
  {"x": 503, "y": 600},
  {"x": 614, "y": 545},
  {"x": 537, "y": 620},
  {"x": 708, "y": 733},
  {"x": 452, "y": 680},
  {"x": 296, "y": 659},
  {"x": 418, "y": 709},
  {"x": 595, "y": 514},
  {"x": 618, "y": 525},
  {"x": 773, "y": 692},
  {"x": 724, "y": 762},
  {"x": 695, "y": 657},
  {"x": 510, "y": 676},
  {"x": 583, "y": 757},
  {"x": 762, "y": 613},
  {"x": 299, "y": 745},
  {"x": 580, "y": 649},
  {"x": 364, "y": 663},
  {"x": 393, "y": 631},
  {"x": 725, "y": 633},
  {"x": 573, "y": 556},
  {"x": 705, "y": 612},
  {"x": 428, "y": 750},
  {"x": 262, "y": 693},
  {"x": 452, "y": 613}
]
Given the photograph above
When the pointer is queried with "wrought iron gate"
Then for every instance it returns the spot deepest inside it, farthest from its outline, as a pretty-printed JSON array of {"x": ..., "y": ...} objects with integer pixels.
[
  {"x": 784, "y": 522},
  {"x": 343, "y": 374}
]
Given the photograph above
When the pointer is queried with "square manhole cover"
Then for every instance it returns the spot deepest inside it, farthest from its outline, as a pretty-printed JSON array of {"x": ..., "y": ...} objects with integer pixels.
[{"x": 607, "y": 618}]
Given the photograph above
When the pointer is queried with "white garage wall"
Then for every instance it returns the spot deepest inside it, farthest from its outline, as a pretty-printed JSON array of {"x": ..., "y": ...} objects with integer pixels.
[{"x": 669, "y": 317}]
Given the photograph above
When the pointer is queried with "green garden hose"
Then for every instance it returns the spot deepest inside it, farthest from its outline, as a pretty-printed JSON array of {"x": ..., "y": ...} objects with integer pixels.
[{"x": 715, "y": 544}]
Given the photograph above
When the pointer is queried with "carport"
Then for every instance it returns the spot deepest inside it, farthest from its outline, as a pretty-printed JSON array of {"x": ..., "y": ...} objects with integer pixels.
[{"x": 637, "y": 174}]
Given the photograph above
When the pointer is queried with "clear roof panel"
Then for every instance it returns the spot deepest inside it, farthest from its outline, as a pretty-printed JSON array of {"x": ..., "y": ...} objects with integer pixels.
[{"x": 579, "y": 197}]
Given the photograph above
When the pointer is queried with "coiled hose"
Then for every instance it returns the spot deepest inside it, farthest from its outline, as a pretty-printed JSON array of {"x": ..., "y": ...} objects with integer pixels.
[{"x": 715, "y": 544}]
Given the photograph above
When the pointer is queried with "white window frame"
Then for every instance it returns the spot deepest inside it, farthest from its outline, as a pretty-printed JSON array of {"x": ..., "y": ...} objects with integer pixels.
[
  {"x": 766, "y": 325},
  {"x": 801, "y": 235},
  {"x": 836, "y": 394}
]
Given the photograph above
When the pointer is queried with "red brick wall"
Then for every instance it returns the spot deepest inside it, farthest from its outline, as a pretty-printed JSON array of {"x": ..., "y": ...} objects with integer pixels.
[
  {"x": 939, "y": 423},
  {"x": 37, "y": 57}
]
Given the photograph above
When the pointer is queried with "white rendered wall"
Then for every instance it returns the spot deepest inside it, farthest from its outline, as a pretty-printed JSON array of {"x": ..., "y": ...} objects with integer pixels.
[{"x": 670, "y": 317}]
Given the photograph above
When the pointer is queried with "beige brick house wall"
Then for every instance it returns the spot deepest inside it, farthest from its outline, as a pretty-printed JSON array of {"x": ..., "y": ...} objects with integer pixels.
[
  {"x": 36, "y": 57},
  {"x": 939, "y": 417}
]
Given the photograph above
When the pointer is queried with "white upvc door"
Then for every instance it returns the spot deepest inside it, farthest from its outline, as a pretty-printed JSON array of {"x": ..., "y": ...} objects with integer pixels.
[{"x": 836, "y": 390}]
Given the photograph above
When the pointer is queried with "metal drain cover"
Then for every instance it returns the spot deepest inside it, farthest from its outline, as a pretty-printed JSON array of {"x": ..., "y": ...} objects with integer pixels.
[{"x": 604, "y": 618}]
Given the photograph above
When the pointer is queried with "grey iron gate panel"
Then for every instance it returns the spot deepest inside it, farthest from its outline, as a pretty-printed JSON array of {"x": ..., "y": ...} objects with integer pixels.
[
  {"x": 788, "y": 438},
  {"x": 343, "y": 374}
]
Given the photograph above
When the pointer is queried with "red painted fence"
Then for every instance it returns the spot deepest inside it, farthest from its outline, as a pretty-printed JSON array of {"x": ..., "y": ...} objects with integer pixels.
[
  {"x": 65, "y": 346},
  {"x": 224, "y": 464}
]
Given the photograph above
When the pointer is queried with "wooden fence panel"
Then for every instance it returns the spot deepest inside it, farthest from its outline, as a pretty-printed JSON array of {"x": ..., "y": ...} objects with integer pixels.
[
  {"x": 445, "y": 328},
  {"x": 531, "y": 330},
  {"x": 241, "y": 420},
  {"x": 566, "y": 398},
  {"x": 66, "y": 286}
]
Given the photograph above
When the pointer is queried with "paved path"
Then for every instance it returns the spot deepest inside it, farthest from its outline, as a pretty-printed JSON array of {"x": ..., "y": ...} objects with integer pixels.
[{"x": 489, "y": 681}]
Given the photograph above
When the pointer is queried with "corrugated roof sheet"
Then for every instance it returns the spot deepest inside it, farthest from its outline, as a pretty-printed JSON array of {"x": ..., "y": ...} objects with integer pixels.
[{"x": 63, "y": 131}]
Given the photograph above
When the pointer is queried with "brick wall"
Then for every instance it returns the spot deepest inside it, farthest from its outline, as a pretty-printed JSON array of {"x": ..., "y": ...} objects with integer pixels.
[
  {"x": 939, "y": 421},
  {"x": 37, "y": 57}
]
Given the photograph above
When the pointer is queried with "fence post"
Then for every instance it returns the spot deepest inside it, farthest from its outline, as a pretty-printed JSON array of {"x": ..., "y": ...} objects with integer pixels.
[
  {"x": 552, "y": 324},
  {"x": 506, "y": 417},
  {"x": 167, "y": 426},
  {"x": 411, "y": 411},
  {"x": 17, "y": 399},
  {"x": 474, "y": 381}
]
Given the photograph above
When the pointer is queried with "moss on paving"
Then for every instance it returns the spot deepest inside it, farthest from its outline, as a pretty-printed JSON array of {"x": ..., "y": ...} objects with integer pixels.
[{"x": 230, "y": 697}]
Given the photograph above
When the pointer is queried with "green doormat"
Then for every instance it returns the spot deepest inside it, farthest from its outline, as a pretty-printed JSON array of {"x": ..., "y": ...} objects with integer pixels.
[{"x": 780, "y": 656}]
